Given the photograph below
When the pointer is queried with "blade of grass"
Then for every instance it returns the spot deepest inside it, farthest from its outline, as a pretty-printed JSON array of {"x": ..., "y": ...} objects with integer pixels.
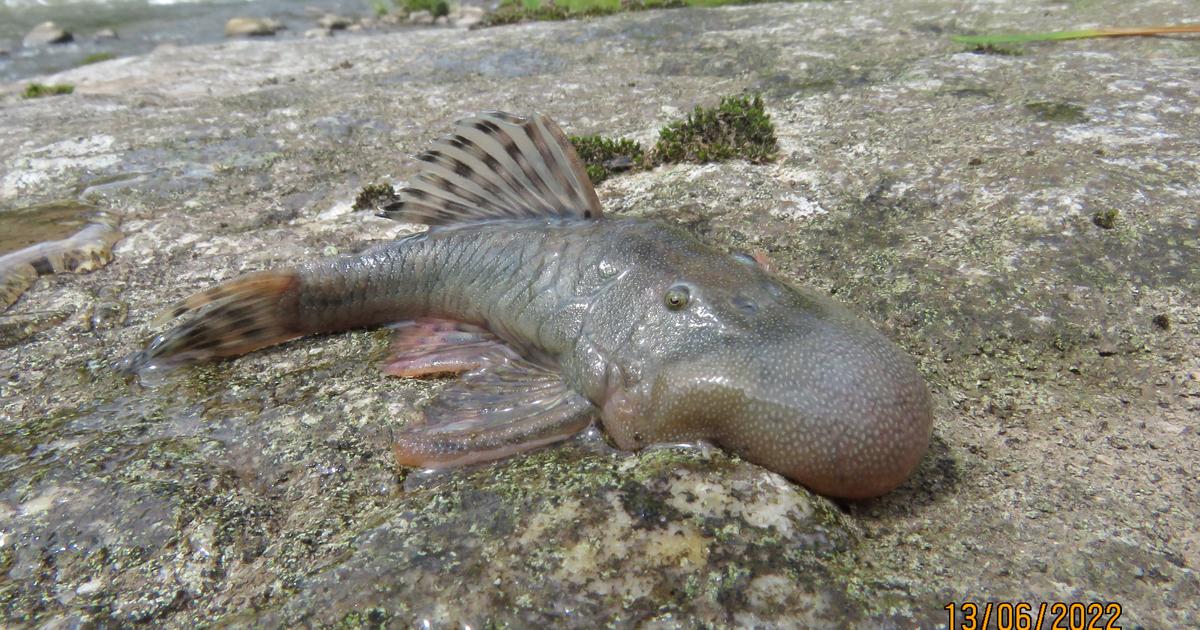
[{"x": 1022, "y": 38}]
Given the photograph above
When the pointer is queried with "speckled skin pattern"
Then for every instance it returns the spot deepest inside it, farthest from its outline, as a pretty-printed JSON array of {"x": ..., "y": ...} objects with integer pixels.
[{"x": 779, "y": 375}]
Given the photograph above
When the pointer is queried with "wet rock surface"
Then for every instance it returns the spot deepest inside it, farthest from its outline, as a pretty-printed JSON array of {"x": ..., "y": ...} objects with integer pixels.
[{"x": 949, "y": 196}]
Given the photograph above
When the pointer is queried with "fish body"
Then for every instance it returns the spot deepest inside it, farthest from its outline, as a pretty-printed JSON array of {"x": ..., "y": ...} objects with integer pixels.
[{"x": 554, "y": 314}]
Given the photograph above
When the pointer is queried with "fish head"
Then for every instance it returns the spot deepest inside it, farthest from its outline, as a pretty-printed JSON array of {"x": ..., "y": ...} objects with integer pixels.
[{"x": 779, "y": 375}]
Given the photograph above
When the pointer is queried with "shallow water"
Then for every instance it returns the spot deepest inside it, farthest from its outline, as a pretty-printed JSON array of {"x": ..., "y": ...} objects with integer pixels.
[
  {"x": 44, "y": 222},
  {"x": 141, "y": 25}
]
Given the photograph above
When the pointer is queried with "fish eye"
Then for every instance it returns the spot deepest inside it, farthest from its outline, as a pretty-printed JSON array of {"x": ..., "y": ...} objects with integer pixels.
[{"x": 677, "y": 297}]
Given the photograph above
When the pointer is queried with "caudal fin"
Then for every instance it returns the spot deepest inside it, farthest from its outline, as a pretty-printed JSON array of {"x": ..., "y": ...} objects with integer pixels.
[{"x": 239, "y": 316}]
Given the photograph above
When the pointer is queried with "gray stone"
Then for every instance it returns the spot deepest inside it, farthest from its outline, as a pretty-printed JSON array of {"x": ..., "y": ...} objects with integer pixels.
[
  {"x": 251, "y": 27},
  {"x": 397, "y": 17},
  {"x": 105, "y": 34},
  {"x": 45, "y": 34},
  {"x": 421, "y": 17},
  {"x": 263, "y": 489},
  {"x": 334, "y": 22},
  {"x": 466, "y": 17}
]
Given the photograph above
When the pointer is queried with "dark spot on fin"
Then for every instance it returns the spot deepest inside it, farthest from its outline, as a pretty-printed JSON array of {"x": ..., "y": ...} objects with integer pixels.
[{"x": 498, "y": 166}]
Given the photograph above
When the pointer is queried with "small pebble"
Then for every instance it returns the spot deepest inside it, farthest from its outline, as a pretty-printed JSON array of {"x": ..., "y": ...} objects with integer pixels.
[
  {"x": 45, "y": 34},
  {"x": 251, "y": 27},
  {"x": 333, "y": 22}
]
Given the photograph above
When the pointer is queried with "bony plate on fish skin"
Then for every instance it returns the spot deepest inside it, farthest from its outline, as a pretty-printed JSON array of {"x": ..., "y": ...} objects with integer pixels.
[{"x": 553, "y": 315}]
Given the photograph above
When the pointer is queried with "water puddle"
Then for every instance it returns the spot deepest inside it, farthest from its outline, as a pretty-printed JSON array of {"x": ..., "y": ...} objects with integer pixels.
[{"x": 49, "y": 221}]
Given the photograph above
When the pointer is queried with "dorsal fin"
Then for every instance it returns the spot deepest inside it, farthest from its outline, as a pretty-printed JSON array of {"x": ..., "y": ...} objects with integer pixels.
[{"x": 498, "y": 166}]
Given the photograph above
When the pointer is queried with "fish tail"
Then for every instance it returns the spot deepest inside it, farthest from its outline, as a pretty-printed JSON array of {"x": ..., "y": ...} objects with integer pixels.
[{"x": 247, "y": 313}]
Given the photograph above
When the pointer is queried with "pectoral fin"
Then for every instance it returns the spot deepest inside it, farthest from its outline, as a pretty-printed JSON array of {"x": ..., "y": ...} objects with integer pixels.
[
  {"x": 428, "y": 347},
  {"x": 502, "y": 404}
]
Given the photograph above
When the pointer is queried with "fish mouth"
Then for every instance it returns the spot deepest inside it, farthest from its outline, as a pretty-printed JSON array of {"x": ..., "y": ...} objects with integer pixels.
[
  {"x": 850, "y": 450},
  {"x": 844, "y": 412},
  {"x": 852, "y": 420}
]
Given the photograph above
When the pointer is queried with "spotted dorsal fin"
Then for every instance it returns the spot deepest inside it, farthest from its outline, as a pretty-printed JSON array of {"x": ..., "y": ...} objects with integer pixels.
[{"x": 498, "y": 166}]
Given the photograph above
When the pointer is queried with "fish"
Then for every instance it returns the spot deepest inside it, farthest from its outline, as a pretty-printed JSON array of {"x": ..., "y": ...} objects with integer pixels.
[
  {"x": 550, "y": 314},
  {"x": 87, "y": 250}
]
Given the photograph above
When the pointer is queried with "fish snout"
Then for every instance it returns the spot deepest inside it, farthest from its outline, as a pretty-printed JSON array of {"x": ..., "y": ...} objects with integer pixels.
[{"x": 842, "y": 411}]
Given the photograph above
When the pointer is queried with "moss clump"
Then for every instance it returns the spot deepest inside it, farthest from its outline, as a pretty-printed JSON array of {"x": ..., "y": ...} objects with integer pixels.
[
  {"x": 97, "y": 58},
  {"x": 380, "y": 7},
  {"x": 604, "y": 156},
  {"x": 38, "y": 90},
  {"x": 438, "y": 8},
  {"x": 512, "y": 11},
  {"x": 374, "y": 197},
  {"x": 369, "y": 618},
  {"x": 737, "y": 128},
  {"x": 1106, "y": 219},
  {"x": 1057, "y": 112}
]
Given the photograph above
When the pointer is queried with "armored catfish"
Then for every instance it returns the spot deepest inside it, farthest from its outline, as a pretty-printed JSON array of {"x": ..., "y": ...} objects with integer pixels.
[{"x": 553, "y": 314}]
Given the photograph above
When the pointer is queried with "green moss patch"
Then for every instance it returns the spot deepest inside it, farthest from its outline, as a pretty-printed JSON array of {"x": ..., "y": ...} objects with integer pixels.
[
  {"x": 605, "y": 156},
  {"x": 1106, "y": 219},
  {"x": 374, "y": 197},
  {"x": 98, "y": 57},
  {"x": 436, "y": 7},
  {"x": 38, "y": 90},
  {"x": 737, "y": 129},
  {"x": 511, "y": 11}
]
